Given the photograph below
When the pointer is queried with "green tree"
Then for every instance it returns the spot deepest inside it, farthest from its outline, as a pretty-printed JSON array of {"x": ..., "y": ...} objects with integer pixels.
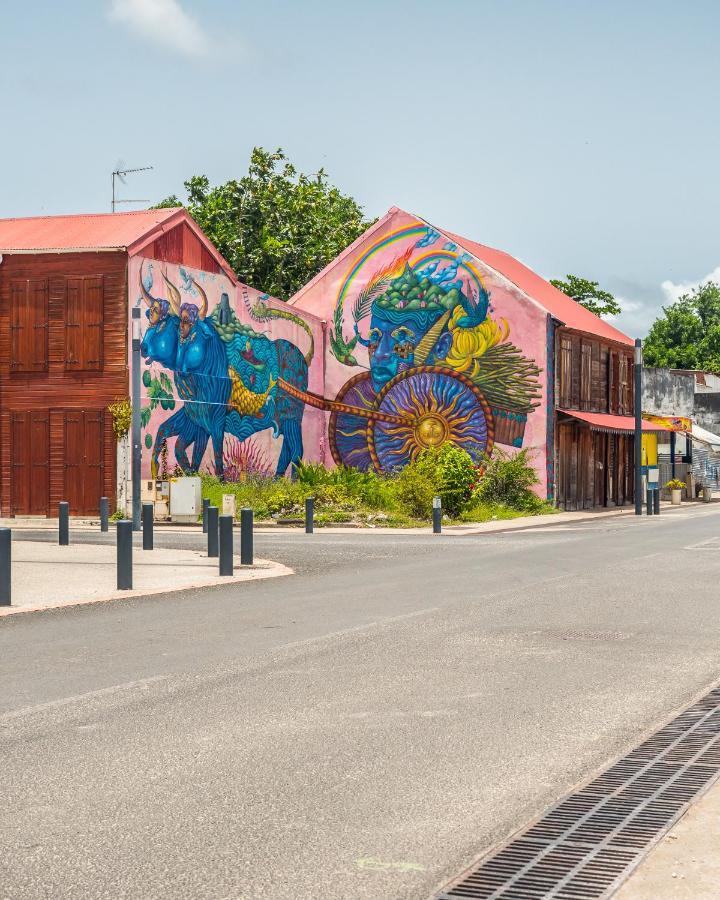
[
  {"x": 275, "y": 226},
  {"x": 588, "y": 294},
  {"x": 687, "y": 335}
]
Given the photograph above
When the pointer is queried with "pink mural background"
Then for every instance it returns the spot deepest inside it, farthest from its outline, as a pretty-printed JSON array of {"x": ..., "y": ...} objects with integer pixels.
[{"x": 404, "y": 341}]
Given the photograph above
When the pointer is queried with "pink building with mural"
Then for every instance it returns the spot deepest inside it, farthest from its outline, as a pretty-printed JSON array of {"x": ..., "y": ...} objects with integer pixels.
[
  {"x": 412, "y": 337},
  {"x": 405, "y": 341}
]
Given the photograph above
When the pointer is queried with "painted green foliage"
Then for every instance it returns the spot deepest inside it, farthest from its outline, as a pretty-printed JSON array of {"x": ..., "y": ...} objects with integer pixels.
[{"x": 160, "y": 391}]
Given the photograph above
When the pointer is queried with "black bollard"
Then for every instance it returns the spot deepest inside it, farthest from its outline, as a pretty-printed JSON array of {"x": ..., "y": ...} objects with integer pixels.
[
  {"x": 124, "y": 555},
  {"x": 206, "y": 503},
  {"x": 649, "y": 500},
  {"x": 656, "y": 501},
  {"x": 5, "y": 568},
  {"x": 212, "y": 531},
  {"x": 246, "y": 536},
  {"x": 148, "y": 511},
  {"x": 437, "y": 515},
  {"x": 63, "y": 524},
  {"x": 309, "y": 515},
  {"x": 226, "y": 545},
  {"x": 104, "y": 514}
]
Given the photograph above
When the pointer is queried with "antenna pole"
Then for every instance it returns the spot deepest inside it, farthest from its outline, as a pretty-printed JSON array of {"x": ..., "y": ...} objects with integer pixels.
[{"x": 120, "y": 173}]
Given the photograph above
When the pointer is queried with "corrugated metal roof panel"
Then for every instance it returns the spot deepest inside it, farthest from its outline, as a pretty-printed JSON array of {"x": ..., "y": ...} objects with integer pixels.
[{"x": 100, "y": 231}]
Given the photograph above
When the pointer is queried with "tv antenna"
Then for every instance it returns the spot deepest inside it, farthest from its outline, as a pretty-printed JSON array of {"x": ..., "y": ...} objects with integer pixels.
[{"x": 120, "y": 174}]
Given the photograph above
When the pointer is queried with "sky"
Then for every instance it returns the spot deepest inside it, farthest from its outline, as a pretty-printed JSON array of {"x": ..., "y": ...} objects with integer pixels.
[{"x": 581, "y": 137}]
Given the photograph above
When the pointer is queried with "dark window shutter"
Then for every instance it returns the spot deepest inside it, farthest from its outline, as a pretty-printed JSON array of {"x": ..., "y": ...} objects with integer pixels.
[
  {"x": 84, "y": 323},
  {"x": 93, "y": 303},
  {"x": 73, "y": 324},
  {"x": 586, "y": 376},
  {"x": 18, "y": 325},
  {"x": 575, "y": 404},
  {"x": 29, "y": 325},
  {"x": 38, "y": 299}
]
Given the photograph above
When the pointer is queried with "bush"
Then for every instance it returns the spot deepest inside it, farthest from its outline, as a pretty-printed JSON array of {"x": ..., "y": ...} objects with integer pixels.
[
  {"x": 508, "y": 480},
  {"x": 447, "y": 472},
  {"x": 415, "y": 489}
]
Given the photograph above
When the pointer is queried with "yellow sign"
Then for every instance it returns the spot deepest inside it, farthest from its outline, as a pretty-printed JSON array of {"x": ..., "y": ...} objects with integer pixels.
[
  {"x": 672, "y": 423},
  {"x": 649, "y": 450}
]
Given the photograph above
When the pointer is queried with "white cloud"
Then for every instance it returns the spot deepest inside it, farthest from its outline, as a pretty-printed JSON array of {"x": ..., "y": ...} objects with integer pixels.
[
  {"x": 674, "y": 290},
  {"x": 164, "y": 22}
]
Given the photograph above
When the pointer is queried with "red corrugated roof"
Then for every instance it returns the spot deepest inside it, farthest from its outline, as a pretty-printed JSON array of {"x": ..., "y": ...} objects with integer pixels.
[
  {"x": 605, "y": 422},
  {"x": 100, "y": 231},
  {"x": 550, "y": 298}
]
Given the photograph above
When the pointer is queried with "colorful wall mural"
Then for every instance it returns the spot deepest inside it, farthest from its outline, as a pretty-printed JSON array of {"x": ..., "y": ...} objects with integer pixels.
[
  {"x": 222, "y": 365},
  {"x": 405, "y": 342},
  {"x": 426, "y": 345}
]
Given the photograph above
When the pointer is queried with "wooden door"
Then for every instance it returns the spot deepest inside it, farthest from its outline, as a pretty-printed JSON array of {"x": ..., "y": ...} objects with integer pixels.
[
  {"x": 568, "y": 466},
  {"x": 30, "y": 463},
  {"x": 586, "y": 469},
  {"x": 83, "y": 460},
  {"x": 600, "y": 450}
]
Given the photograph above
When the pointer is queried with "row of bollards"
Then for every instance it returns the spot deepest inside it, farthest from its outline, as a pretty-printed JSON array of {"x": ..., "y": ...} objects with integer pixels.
[{"x": 219, "y": 531}]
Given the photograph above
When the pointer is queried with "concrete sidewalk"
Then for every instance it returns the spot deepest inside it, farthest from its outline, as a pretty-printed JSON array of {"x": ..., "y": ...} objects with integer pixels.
[
  {"x": 47, "y": 576},
  {"x": 40, "y": 523},
  {"x": 685, "y": 865}
]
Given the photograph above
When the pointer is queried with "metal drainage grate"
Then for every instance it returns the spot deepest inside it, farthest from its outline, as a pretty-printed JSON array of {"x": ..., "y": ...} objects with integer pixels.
[{"x": 587, "y": 844}]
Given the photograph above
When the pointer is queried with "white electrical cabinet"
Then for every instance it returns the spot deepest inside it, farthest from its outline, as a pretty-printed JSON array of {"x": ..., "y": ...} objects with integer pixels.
[{"x": 185, "y": 499}]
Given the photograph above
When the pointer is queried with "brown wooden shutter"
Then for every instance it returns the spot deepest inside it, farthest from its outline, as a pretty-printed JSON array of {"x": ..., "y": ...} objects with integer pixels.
[
  {"x": 93, "y": 460},
  {"x": 575, "y": 400},
  {"x": 74, "y": 454},
  {"x": 29, "y": 325},
  {"x": 84, "y": 323},
  {"x": 38, "y": 321},
  {"x": 18, "y": 323},
  {"x": 20, "y": 443},
  {"x": 565, "y": 372},
  {"x": 73, "y": 324},
  {"x": 93, "y": 303},
  {"x": 39, "y": 462},
  {"x": 613, "y": 376},
  {"x": 603, "y": 382},
  {"x": 586, "y": 376}
]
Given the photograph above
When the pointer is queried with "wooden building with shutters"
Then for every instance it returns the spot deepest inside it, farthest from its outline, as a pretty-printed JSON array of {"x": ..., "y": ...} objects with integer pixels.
[{"x": 64, "y": 347}]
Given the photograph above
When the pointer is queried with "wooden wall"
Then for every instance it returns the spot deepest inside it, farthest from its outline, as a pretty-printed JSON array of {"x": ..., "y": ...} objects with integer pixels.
[
  {"x": 58, "y": 389},
  {"x": 595, "y": 468},
  {"x": 182, "y": 245},
  {"x": 593, "y": 375}
]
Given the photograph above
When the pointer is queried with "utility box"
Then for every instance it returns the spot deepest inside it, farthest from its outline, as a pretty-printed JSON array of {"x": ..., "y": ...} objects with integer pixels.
[
  {"x": 229, "y": 506},
  {"x": 185, "y": 499}
]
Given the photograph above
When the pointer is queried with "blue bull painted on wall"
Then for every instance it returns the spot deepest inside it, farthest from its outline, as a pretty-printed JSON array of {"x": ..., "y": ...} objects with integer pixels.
[{"x": 228, "y": 377}]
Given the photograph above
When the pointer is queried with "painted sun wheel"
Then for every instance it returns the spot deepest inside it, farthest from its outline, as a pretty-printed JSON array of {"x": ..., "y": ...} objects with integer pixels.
[
  {"x": 444, "y": 406},
  {"x": 347, "y": 432}
]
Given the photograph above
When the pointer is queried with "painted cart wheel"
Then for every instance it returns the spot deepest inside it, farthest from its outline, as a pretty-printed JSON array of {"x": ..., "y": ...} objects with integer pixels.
[
  {"x": 347, "y": 432},
  {"x": 444, "y": 406}
]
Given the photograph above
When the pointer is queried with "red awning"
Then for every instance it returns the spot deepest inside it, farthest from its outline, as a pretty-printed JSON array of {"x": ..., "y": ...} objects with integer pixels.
[{"x": 605, "y": 422}]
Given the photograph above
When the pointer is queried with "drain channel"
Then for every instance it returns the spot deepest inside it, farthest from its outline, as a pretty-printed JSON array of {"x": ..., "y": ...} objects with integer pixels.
[{"x": 586, "y": 845}]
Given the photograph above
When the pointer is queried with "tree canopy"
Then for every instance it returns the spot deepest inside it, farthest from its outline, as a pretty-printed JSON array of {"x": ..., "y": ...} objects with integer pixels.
[
  {"x": 588, "y": 294},
  {"x": 687, "y": 335},
  {"x": 275, "y": 226}
]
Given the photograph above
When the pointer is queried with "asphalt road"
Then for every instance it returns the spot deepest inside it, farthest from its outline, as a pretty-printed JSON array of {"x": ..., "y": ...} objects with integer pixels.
[{"x": 363, "y": 729}]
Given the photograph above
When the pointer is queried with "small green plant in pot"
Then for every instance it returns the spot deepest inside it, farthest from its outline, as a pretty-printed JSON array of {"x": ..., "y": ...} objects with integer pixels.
[{"x": 676, "y": 487}]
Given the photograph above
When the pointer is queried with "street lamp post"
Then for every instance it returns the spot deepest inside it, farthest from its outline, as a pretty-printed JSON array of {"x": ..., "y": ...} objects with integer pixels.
[
  {"x": 135, "y": 423},
  {"x": 638, "y": 427}
]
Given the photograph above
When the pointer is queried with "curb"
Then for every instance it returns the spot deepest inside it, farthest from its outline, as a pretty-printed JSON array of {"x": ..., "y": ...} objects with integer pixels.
[{"x": 259, "y": 571}]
